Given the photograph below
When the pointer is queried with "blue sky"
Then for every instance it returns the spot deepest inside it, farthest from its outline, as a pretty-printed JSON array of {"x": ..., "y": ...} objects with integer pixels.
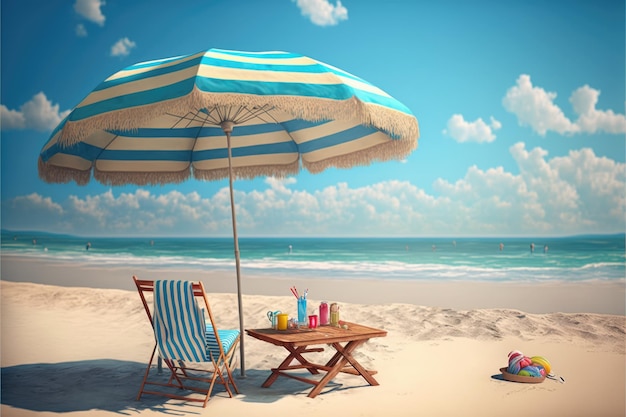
[{"x": 520, "y": 105}]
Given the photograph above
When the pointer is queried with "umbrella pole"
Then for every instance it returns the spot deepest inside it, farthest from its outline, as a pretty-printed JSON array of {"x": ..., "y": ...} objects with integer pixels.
[{"x": 228, "y": 128}]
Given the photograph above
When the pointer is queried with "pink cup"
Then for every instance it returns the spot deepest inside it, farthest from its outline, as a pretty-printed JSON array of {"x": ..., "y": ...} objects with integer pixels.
[{"x": 313, "y": 321}]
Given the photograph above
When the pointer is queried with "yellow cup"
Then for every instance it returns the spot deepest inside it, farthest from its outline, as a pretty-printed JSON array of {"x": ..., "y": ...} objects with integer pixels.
[{"x": 282, "y": 321}]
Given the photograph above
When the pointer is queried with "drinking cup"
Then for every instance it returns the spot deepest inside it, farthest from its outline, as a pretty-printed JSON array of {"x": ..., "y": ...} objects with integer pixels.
[
  {"x": 313, "y": 321},
  {"x": 323, "y": 313},
  {"x": 273, "y": 317},
  {"x": 302, "y": 311},
  {"x": 334, "y": 314},
  {"x": 282, "y": 320}
]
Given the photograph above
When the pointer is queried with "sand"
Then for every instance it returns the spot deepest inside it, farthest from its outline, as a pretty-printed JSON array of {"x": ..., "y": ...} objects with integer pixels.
[{"x": 75, "y": 341}]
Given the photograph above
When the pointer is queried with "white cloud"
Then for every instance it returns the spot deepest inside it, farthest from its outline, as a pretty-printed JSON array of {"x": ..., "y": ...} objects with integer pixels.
[
  {"x": 34, "y": 200},
  {"x": 90, "y": 10},
  {"x": 39, "y": 113},
  {"x": 122, "y": 47},
  {"x": 535, "y": 107},
  {"x": 11, "y": 119},
  {"x": 599, "y": 182},
  {"x": 576, "y": 193},
  {"x": 280, "y": 184},
  {"x": 322, "y": 12},
  {"x": 591, "y": 120},
  {"x": 476, "y": 131},
  {"x": 30, "y": 212},
  {"x": 81, "y": 31}
]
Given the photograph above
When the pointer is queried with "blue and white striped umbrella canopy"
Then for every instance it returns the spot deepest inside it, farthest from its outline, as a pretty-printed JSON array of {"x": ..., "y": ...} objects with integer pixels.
[{"x": 162, "y": 121}]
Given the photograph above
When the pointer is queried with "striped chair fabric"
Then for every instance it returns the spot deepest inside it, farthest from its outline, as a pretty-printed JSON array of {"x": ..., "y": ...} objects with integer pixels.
[
  {"x": 179, "y": 326},
  {"x": 227, "y": 337}
]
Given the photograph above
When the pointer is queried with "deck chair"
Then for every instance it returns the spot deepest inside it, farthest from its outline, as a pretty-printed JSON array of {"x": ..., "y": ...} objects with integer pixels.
[{"x": 197, "y": 353}]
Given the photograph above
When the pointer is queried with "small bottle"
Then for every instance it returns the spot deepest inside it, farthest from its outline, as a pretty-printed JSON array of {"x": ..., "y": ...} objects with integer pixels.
[
  {"x": 324, "y": 313},
  {"x": 334, "y": 314}
]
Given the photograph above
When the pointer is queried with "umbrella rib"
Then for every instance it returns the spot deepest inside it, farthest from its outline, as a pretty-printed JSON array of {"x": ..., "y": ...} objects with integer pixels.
[
  {"x": 190, "y": 117},
  {"x": 220, "y": 116},
  {"x": 198, "y": 117},
  {"x": 287, "y": 132},
  {"x": 254, "y": 113},
  {"x": 265, "y": 110},
  {"x": 237, "y": 115},
  {"x": 204, "y": 118}
]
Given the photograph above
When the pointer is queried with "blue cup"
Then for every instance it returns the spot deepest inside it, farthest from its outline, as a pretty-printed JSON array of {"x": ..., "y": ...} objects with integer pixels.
[
  {"x": 273, "y": 317},
  {"x": 302, "y": 316}
]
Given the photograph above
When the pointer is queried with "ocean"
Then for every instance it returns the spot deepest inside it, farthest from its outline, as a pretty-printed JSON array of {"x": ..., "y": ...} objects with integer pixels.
[{"x": 576, "y": 258}]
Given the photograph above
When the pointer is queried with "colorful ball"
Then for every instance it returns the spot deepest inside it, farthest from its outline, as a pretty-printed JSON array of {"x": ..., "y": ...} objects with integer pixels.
[
  {"x": 514, "y": 354},
  {"x": 513, "y": 368},
  {"x": 515, "y": 357},
  {"x": 524, "y": 362},
  {"x": 530, "y": 371}
]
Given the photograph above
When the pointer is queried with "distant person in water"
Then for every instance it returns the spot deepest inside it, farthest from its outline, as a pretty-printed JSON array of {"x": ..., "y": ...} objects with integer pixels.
[
  {"x": 88, "y": 245},
  {"x": 501, "y": 246},
  {"x": 290, "y": 248},
  {"x": 532, "y": 247},
  {"x": 545, "y": 248}
]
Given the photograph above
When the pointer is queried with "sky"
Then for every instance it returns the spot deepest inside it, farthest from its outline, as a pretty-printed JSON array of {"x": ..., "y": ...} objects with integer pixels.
[{"x": 520, "y": 106}]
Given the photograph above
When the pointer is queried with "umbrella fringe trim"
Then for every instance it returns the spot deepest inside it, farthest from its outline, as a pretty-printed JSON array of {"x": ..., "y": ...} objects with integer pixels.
[
  {"x": 381, "y": 152},
  {"x": 141, "y": 178},
  {"x": 61, "y": 175},
  {"x": 394, "y": 122},
  {"x": 249, "y": 172}
]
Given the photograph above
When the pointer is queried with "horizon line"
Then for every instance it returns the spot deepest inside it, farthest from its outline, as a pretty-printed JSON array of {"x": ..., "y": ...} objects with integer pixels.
[{"x": 447, "y": 236}]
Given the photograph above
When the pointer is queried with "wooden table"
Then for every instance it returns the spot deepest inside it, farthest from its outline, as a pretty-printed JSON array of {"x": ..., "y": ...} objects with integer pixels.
[{"x": 297, "y": 342}]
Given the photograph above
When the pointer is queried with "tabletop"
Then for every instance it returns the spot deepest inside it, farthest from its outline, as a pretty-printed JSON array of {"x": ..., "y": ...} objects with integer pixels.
[{"x": 317, "y": 336}]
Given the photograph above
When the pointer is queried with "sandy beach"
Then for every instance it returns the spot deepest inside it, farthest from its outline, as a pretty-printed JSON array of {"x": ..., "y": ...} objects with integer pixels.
[{"x": 75, "y": 341}]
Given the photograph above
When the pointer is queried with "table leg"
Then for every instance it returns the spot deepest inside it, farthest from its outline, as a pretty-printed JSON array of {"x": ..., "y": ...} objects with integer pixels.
[
  {"x": 294, "y": 353},
  {"x": 347, "y": 353},
  {"x": 338, "y": 361}
]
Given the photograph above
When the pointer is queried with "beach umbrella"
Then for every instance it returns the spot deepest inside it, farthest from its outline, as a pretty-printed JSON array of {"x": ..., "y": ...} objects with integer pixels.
[{"x": 226, "y": 114}]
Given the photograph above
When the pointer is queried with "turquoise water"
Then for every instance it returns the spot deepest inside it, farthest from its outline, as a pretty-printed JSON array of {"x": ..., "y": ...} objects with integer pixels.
[{"x": 576, "y": 258}]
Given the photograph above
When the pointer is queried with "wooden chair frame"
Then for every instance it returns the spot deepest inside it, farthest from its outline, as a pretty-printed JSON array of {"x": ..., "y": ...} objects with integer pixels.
[{"x": 182, "y": 372}]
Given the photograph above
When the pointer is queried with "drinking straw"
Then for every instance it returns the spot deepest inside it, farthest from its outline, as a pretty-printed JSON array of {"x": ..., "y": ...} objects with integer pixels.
[{"x": 294, "y": 291}]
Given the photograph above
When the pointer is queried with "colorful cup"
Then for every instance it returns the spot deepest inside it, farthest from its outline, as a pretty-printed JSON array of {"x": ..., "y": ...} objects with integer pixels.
[
  {"x": 334, "y": 314},
  {"x": 281, "y": 321},
  {"x": 273, "y": 317},
  {"x": 313, "y": 321},
  {"x": 302, "y": 311},
  {"x": 323, "y": 314}
]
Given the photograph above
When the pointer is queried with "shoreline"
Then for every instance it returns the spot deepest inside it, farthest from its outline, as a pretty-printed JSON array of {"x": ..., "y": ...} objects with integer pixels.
[{"x": 597, "y": 297}]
